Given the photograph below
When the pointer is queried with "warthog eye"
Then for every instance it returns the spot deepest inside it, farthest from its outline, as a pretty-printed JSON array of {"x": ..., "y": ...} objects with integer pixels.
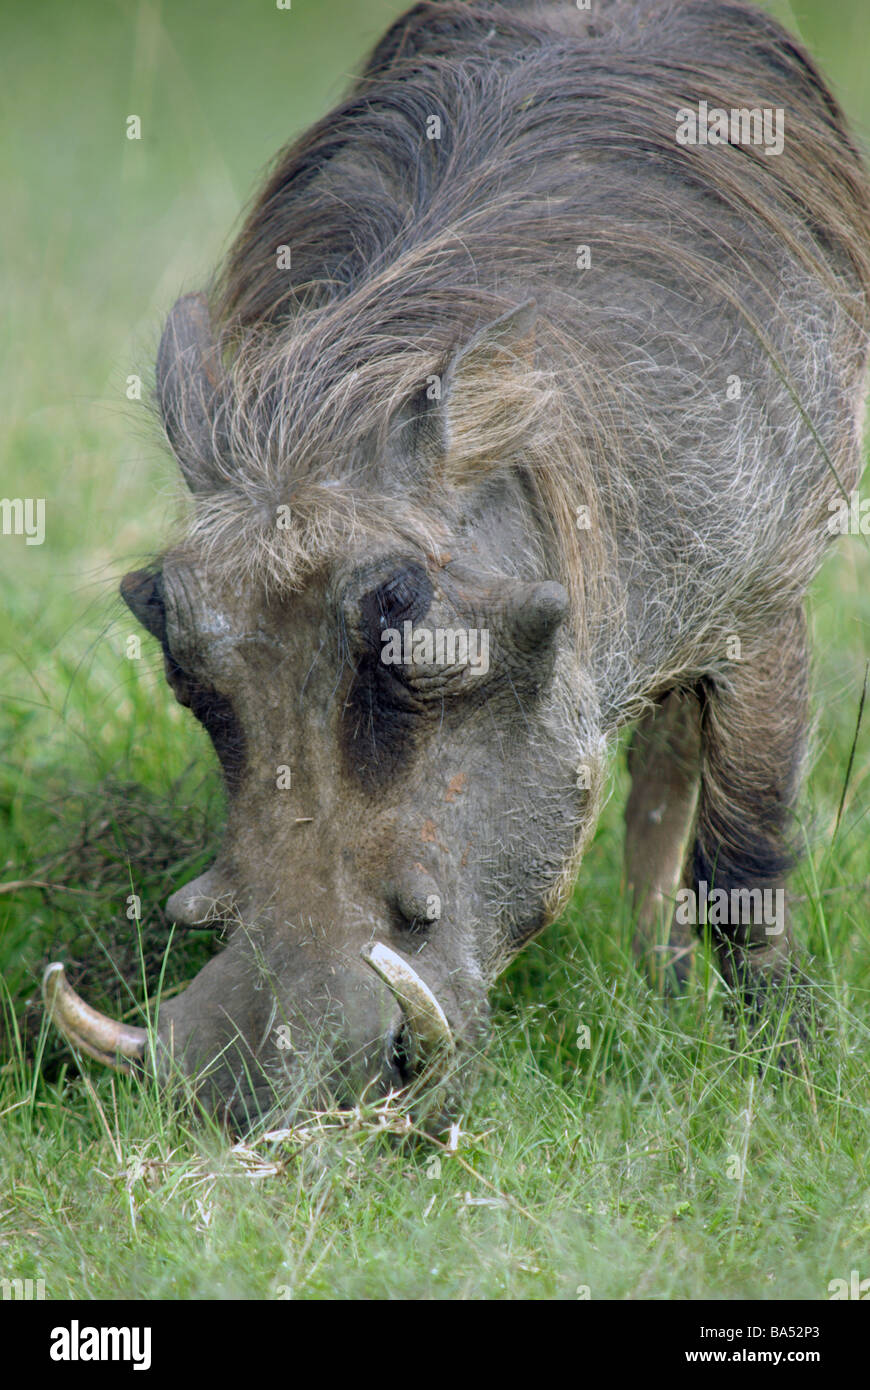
[
  {"x": 380, "y": 714},
  {"x": 404, "y": 597},
  {"x": 144, "y": 593},
  {"x": 214, "y": 712}
]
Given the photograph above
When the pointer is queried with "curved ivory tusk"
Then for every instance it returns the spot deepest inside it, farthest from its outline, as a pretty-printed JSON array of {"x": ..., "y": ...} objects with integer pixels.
[
  {"x": 92, "y": 1032},
  {"x": 424, "y": 1016}
]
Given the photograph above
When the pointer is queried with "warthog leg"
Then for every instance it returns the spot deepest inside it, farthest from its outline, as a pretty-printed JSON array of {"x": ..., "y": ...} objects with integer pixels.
[
  {"x": 665, "y": 764},
  {"x": 753, "y": 731}
]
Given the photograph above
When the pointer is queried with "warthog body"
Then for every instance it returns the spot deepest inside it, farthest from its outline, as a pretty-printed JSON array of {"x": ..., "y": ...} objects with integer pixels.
[{"x": 496, "y": 352}]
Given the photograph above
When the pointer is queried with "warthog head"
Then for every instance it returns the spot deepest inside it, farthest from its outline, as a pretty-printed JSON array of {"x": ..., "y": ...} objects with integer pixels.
[{"x": 399, "y": 737}]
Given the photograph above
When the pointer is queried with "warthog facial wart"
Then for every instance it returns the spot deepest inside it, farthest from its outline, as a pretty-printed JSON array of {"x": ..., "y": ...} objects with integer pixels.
[{"x": 527, "y": 436}]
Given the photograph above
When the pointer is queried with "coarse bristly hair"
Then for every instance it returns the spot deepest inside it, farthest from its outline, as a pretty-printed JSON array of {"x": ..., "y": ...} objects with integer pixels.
[{"x": 556, "y": 129}]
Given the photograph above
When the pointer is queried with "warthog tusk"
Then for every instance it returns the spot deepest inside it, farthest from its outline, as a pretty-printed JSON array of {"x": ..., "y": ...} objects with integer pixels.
[
  {"x": 424, "y": 1017},
  {"x": 92, "y": 1032}
]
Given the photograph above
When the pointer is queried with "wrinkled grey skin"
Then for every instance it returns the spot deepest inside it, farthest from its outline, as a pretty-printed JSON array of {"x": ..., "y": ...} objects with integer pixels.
[{"x": 418, "y": 813}]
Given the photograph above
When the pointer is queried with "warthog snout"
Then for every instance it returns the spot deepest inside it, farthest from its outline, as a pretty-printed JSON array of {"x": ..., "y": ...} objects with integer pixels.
[{"x": 388, "y": 1034}]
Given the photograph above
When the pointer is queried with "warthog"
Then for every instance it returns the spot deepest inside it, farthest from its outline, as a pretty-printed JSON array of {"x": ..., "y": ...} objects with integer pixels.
[{"x": 550, "y": 339}]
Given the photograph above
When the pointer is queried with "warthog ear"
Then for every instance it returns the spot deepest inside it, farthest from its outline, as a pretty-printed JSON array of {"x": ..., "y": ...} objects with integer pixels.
[
  {"x": 476, "y": 374},
  {"x": 463, "y": 405},
  {"x": 190, "y": 392},
  {"x": 507, "y": 339}
]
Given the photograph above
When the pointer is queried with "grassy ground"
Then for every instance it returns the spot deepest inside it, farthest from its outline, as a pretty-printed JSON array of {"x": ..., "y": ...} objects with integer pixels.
[{"x": 659, "y": 1162}]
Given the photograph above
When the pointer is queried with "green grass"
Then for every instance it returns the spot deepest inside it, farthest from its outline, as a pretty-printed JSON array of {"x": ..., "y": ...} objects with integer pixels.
[{"x": 614, "y": 1168}]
